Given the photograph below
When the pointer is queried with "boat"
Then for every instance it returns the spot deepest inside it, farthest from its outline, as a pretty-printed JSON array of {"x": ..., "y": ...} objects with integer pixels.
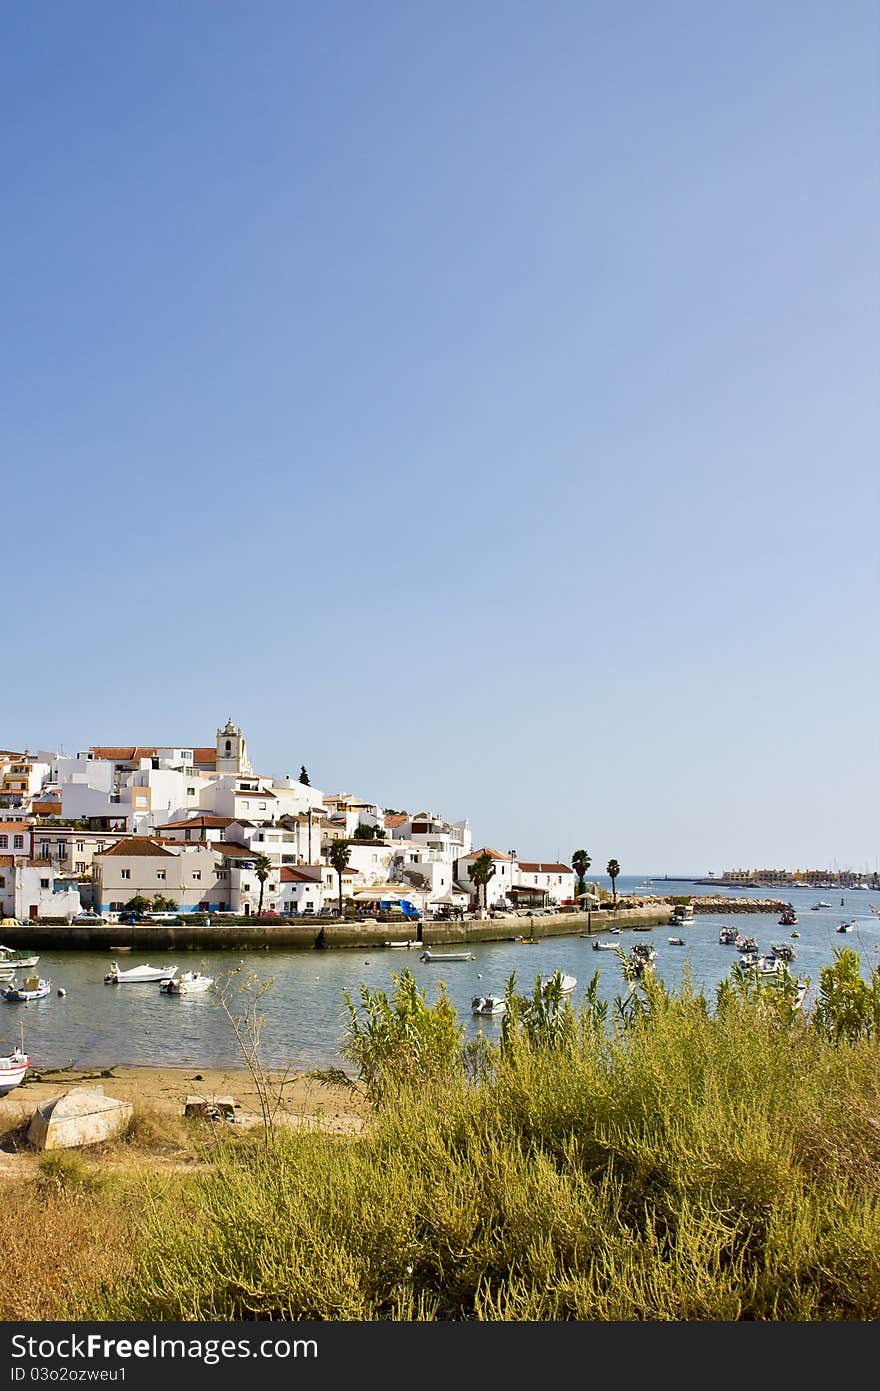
[
  {"x": 682, "y": 915},
  {"x": 784, "y": 951},
  {"x": 12, "y": 960},
  {"x": 81, "y": 1116},
  {"x": 823, "y": 903},
  {"x": 846, "y": 927},
  {"x": 488, "y": 1004},
  {"x": 788, "y": 917},
  {"x": 749, "y": 958},
  {"x": 727, "y": 936},
  {"x": 605, "y": 946},
  {"x": 769, "y": 966},
  {"x": 560, "y": 980},
  {"x": 643, "y": 927},
  {"x": 12, "y": 1069},
  {"x": 641, "y": 957},
  {"x": 189, "y": 983},
  {"x": 403, "y": 944},
  {"x": 139, "y": 975},
  {"x": 745, "y": 944},
  {"x": 31, "y": 988},
  {"x": 447, "y": 956},
  {"x": 117, "y": 948},
  {"x": 675, "y": 941}
]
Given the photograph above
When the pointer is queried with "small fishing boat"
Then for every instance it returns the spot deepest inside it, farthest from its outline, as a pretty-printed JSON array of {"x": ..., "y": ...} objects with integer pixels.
[
  {"x": 81, "y": 1116},
  {"x": 403, "y": 944},
  {"x": 189, "y": 983},
  {"x": 643, "y": 927},
  {"x": 823, "y": 903},
  {"x": 846, "y": 927},
  {"x": 31, "y": 988},
  {"x": 488, "y": 1004},
  {"x": 12, "y": 960},
  {"x": 139, "y": 975},
  {"x": 749, "y": 958},
  {"x": 788, "y": 917},
  {"x": 745, "y": 944},
  {"x": 605, "y": 946},
  {"x": 12, "y": 1069},
  {"x": 795, "y": 933},
  {"x": 769, "y": 966},
  {"x": 675, "y": 941},
  {"x": 447, "y": 956},
  {"x": 727, "y": 936},
  {"x": 784, "y": 952},
  {"x": 641, "y": 957},
  {"x": 559, "y": 980}
]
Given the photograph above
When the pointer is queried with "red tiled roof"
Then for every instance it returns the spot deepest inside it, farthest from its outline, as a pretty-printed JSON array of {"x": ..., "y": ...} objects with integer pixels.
[
  {"x": 234, "y": 851},
  {"x": 15, "y": 826},
  {"x": 130, "y": 753},
  {"x": 291, "y": 874},
  {"x": 541, "y": 868},
  {"x": 138, "y": 845},
  {"x": 494, "y": 854},
  {"x": 392, "y": 821},
  {"x": 242, "y": 792}
]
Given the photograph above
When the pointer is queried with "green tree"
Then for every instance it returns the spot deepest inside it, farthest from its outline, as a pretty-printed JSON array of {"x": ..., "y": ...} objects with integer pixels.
[
  {"x": 480, "y": 872},
  {"x": 262, "y": 869},
  {"x": 304, "y": 776},
  {"x": 339, "y": 855},
  {"x": 364, "y": 832},
  {"x": 137, "y": 905},
  {"x": 580, "y": 863},
  {"x": 612, "y": 869}
]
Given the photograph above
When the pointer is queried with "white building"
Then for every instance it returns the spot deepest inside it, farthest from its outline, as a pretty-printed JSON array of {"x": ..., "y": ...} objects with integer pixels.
[
  {"x": 555, "y": 882},
  {"x": 505, "y": 876},
  {"x": 143, "y": 866},
  {"x": 301, "y": 886}
]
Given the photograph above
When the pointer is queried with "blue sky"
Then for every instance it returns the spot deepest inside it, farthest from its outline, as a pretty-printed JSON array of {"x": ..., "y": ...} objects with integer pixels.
[{"x": 477, "y": 401}]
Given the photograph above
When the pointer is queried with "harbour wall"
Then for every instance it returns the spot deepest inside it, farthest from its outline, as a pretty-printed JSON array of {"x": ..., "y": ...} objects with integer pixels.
[{"x": 248, "y": 935}]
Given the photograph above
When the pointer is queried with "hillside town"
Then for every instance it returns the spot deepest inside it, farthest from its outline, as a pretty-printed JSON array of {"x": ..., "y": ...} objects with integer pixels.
[{"x": 118, "y": 829}]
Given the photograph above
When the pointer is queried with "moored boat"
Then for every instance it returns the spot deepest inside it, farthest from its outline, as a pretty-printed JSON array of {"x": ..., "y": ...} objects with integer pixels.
[
  {"x": 12, "y": 960},
  {"x": 727, "y": 936},
  {"x": 12, "y": 1069},
  {"x": 488, "y": 1004},
  {"x": 139, "y": 975},
  {"x": 558, "y": 980},
  {"x": 31, "y": 988},
  {"x": 675, "y": 941},
  {"x": 189, "y": 983},
  {"x": 846, "y": 927},
  {"x": 605, "y": 946},
  {"x": 788, "y": 917},
  {"x": 429, "y": 955}
]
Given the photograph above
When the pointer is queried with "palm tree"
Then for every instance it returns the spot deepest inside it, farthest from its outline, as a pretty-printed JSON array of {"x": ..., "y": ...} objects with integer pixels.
[
  {"x": 580, "y": 863},
  {"x": 480, "y": 872},
  {"x": 339, "y": 855},
  {"x": 612, "y": 869},
  {"x": 262, "y": 869}
]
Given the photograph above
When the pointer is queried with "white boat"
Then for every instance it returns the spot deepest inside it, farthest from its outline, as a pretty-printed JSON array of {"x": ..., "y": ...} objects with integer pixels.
[
  {"x": 447, "y": 956},
  {"x": 565, "y": 983},
  {"x": 823, "y": 903},
  {"x": 12, "y": 960},
  {"x": 81, "y": 1116},
  {"x": 605, "y": 946},
  {"x": 769, "y": 966},
  {"x": 727, "y": 936},
  {"x": 846, "y": 927},
  {"x": 488, "y": 1004},
  {"x": 139, "y": 975},
  {"x": 403, "y": 944},
  {"x": 189, "y": 983},
  {"x": 675, "y": 941},
  {"x": 12, "y": 1070},
  {"x": 31, "y": 988}
]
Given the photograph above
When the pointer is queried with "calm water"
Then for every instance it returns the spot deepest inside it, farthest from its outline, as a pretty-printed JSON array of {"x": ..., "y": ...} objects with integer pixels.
[{"x": 97, "y": 1025}]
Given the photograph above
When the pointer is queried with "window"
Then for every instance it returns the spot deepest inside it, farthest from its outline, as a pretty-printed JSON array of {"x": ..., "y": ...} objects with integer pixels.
[
  {"x": 197, "y": 874},
  {"x": 2, "y": 881},
  {"x": 44, "y": 883},
  {"x": 44, "y": 850},
  {"x": 160, "y": 874},
  {"x": 223, "y": 874},
  {"x": 80, "y": 845},
  {"x": 125, "y": 874},
  {"x": 99, "y": 848},
  {"x": 190, "y": 792},
  {"x": 246, "y": 888},
  {"x": 4, "y": 841},
  {"x": 18, "y": 842},
  {"x": 80, "y": 866},
  {"x": 61, "y": 850}
]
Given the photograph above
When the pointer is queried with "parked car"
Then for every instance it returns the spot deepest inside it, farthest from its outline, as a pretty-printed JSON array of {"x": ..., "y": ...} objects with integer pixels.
[
  {"x": 90, "y": 918},
  {"x": 307, "y": 912},
  {"x": 328, "y": 913}
]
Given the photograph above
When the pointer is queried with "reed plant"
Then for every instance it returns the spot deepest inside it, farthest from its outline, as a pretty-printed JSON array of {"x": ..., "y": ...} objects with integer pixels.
[{"x": 686, "y": 1160}]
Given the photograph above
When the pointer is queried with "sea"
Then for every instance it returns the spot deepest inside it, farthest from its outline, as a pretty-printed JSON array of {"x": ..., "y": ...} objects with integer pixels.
[{"x": 302, "y": 1004}]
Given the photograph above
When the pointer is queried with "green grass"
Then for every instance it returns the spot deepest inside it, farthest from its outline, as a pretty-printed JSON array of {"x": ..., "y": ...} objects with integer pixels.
[{"x": 691, "y": 1165}]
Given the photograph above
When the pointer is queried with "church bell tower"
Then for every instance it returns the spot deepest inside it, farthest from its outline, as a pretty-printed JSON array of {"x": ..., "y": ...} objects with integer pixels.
[{"x": 232, "y": 756}]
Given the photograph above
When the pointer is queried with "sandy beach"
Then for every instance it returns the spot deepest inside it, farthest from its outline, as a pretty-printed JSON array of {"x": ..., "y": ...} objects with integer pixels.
[{"x": 306, "y": 1101}]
